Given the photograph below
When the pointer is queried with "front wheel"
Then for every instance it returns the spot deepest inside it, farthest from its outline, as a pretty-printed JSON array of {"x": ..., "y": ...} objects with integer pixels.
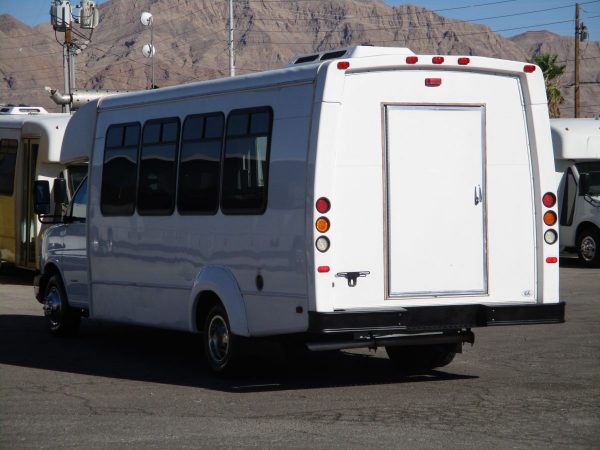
[
  {"x": 221, "y": 346},
  {"x": 421, "y": 357},
  {"x": 588, "y": 249},
  {"x": 62, "y": 320}
]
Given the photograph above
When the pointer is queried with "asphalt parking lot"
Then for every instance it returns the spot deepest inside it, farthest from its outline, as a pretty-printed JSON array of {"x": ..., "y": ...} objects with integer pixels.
[{"x": 129, "y": 387}]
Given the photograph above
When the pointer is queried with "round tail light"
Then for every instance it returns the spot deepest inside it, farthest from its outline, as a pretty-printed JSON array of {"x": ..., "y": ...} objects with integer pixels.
[
  {"x": 323, "y": 205},
  {"x": 549, "y": 199},
  {"x": 549, "y": 218},
  {"x": 322, "y": 244}
]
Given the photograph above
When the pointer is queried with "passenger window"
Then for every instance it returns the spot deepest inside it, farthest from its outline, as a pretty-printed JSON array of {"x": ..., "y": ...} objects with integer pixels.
[
  {"x": 119, "y": 173},
  {"x": 200, "y": 164},
  {"x": 569, "y": 198},
  {"x": 246, "y": 162},
  {"x": 79, "y": 202},
  {"x": 158, "y": 169},
  {"x": 8, "y": 159}
]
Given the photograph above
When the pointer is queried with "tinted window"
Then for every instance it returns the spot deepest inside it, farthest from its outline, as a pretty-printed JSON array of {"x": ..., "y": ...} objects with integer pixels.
[
  {"x": 8, "y": 158},
  {"x": 156, "y": 191},
  {"x": 200, "y": 165},
  {"x": 569, "y": 197},
  {"x": 119, "y": 174},
  {"x": 246, "y": 162},
  {"x": 79, "y": 203}
]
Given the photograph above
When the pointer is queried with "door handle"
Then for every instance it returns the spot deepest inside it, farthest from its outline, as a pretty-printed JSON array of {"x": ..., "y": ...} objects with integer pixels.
[{"x": 478, "y": 195}]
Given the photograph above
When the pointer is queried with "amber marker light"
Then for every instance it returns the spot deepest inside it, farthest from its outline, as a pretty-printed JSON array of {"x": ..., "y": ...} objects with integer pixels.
[
  {"x": 549, "y": 218},
  {"x": 322, "y": 224}
]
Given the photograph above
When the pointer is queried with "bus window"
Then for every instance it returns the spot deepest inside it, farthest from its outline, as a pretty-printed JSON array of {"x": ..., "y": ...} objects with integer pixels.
[
  {"x": 200, "y": 164},
  {"x": 158, "y": 168},
  {"x": 8, "y": 158},
  {"x": 246, "y": 162},
  {"x": 119, "y": 174}
]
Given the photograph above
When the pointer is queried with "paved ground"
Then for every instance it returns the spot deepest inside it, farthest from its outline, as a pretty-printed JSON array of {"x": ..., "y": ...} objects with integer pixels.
[{"x": 125, "y": 387}]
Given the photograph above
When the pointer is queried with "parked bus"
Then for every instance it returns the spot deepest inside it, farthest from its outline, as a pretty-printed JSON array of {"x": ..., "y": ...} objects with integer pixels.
[
  {"x": 577, "y": 156},
  {"x": 363, "y": 197},
  {"x": 30, "y": 145}
]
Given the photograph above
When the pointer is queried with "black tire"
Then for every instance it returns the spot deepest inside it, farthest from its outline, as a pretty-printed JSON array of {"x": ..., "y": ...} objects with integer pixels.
[
  {"x": 221, "y": 346},
  {"x": 62, "y": 320},
  {"x": 421, "y": 357},
  {"x": 588, "y": 246}
]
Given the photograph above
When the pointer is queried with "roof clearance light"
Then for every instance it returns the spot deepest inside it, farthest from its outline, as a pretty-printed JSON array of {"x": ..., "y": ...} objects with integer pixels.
[
  {"x": 323, "y": 269},
  {"x": 552, "y": 260},
  {"x": 322, "y": 244},
  {"x": 323, "y": 205},
  {"x": 433, "y": 82},
  {"x": 529, "y": 68},
  {"x": 549, "y": 199},
  {"x": 550, "y": 236},
  {"x": 412, "y": 59},
  {"x": 437, "y": 59},
  {"x": 463, "y": 61},
  {"x": 549, "y": 218},
  {"x": 343, "y": 65},
  {"x": 322, "y": 225}
]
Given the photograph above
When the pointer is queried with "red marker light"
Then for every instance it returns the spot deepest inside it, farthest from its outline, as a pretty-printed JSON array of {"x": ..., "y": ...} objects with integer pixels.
[
  {"x": 323, "y": 269},
  {"x": 323, "y": 205},
  {"x": 549, "y": 199},
  {"x": 433, "y": 82},
  {"x": 463, "y": 61},
  {"x": 343, "y": 65},
  {"x": 437, "y": 59},
  {"x": 552, "y": 260},
  {"x": 412, "y": 59},
  {"x": 529, "y": 68}
]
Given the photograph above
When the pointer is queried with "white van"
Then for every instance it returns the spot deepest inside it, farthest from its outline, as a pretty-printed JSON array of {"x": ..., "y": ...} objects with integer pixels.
[
  {"x": 30, "y": 144},
  {"x": 361, "y": 197},
  {"x": 577, "y": 157}
]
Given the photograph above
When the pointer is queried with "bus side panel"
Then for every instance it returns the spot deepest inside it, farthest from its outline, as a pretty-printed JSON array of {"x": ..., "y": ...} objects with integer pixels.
[{"x": 149, "y": 263}]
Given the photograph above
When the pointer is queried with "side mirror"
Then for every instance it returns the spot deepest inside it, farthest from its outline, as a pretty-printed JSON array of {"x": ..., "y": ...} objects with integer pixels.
[
  {"x": 41, "y": 198},
  {"x": 59, "y": 190},
  {"x": 584, "y": 184}
]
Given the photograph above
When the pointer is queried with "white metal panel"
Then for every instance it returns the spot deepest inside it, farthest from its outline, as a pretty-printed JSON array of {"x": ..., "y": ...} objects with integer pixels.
[{"x": 435, "y": 200}]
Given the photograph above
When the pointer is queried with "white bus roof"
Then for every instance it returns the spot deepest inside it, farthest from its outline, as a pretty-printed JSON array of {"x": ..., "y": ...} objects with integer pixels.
[
  {"x": 576, "y": 138},
  {"x": 49, "y": 128},
  {"x": 10, "y": 109}
]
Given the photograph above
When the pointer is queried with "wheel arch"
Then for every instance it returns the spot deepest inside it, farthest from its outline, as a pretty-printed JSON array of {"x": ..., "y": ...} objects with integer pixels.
[
  {"x": 50, "y": 269},
  {"x": 584, "y": 225},
  {"x": 216, "y": 284}
]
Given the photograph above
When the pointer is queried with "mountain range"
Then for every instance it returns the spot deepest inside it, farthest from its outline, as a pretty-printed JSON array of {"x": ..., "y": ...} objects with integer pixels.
[{"x": 191, "y": 40}]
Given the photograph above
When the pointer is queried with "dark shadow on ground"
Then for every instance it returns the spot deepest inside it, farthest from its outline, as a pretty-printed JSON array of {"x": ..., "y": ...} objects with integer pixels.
[
  {"x": 10, "y": 274},
  {"x": 158, "y": 356}
]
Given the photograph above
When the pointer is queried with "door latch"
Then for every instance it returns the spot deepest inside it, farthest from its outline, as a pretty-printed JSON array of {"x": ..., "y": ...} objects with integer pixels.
[
  {"x": 478, "y": 195},
  {"x": 352, "y": 276}
]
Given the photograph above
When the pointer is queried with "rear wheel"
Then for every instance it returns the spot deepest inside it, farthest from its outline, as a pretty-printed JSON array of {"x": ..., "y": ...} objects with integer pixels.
[
  {"x": 62, "y": 320},
  {"x": 421, "y": 357},
  {"x": 588, "y": 247},
  {"x": 221, "y": 346}
]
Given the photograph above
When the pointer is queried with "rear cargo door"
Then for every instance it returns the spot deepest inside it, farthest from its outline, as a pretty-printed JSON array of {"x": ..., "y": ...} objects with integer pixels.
[{"x": 435, "y": 200}]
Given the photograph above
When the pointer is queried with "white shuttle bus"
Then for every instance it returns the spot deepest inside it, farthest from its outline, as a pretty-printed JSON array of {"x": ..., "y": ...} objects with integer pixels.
[
  {"x": 577, "y": 157},
  {"x": 30, "y": 144},
  {"x": 363, "y": 197}
]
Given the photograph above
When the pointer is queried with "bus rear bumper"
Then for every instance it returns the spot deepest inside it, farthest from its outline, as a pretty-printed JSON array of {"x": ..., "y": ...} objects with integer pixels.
[{"x": 421, "y": 325}]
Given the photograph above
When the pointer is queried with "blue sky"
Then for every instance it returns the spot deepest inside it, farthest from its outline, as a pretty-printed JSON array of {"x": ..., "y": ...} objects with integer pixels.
[{"x": 520, "y": 15}]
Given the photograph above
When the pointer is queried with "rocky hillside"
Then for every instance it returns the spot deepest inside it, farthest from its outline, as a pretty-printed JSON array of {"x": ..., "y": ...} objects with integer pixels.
[{"x": 191, "y": 41}]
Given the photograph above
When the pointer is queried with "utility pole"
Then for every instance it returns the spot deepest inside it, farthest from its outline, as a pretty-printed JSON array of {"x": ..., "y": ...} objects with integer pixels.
[
  {"x": 231, "y": 55},
  {"x": 577, "y": 37}
]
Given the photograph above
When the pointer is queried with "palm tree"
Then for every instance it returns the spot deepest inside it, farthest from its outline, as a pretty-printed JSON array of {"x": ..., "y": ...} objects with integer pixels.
[{"x": 552, "y": 73}]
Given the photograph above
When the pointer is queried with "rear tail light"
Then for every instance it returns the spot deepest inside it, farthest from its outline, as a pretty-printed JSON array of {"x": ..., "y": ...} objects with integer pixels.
[
  {"x": 412, "y": 59},
  {"x": 549, "y": 218},
  {"x": 322, "y": 224},
  {"x": 464, "y": 61},
  {"x": 529, "y": 68},
  {"x": 552, "y": 260},
  {"x": 343, "y": 65},
  {"x": 437, "y": 59},
  {"x": 323, "y": 269},
  {"x": 322, "y": 244},
  {"x": 549, "y": 199},
  {"x": 323, "y": 205}
]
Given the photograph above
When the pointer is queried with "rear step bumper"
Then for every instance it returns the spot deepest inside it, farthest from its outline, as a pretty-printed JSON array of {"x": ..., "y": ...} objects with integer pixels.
[
  {"x": 434, "y": 318},
  {"x": 421, "y": 325}
]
